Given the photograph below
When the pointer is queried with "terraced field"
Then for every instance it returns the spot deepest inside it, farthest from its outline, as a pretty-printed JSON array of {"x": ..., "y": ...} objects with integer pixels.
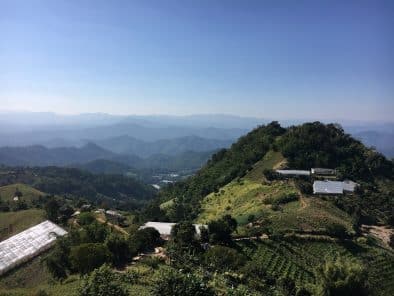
[{"x": 298, "y": 259}]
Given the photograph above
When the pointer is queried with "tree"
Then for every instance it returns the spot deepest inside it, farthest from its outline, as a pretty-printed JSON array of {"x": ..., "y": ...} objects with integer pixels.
[
  {"x": 86, "y": 257},
  {"x": 52, "y": 209},
  {"x": 184, "y": 235},
  {"x": 102, "y": 282},
  {"x": 223, "y": 258},
  {"x": 57, "y": 262},
  {"x": 174, "y": 283},
  {"x": 144, "y": 239},
  {"x": 119, "y": 248},
  {"x": 86, "y": 218},
  {"x": 341, "y": 277},
  {"x": 220, "y": 230},
  {"x": 337, "y": 230}
]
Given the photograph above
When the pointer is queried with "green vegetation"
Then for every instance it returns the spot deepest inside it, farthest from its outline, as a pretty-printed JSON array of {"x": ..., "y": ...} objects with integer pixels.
[
  {"x": 265, "y": 236},
  {"x": 111, "y": 190},
  {"x": 26, "y": 193},
  {"x": 243, "y": 198},
  {"x": 14, "y": 222}
]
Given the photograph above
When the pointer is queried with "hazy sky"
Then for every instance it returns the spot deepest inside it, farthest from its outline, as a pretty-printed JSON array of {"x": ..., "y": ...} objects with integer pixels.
[{"x": 276, "y": 59}]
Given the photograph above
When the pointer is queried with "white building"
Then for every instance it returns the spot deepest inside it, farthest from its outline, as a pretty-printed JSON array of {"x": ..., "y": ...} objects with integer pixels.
[
  {"x": 293, "y": 172},
  {"x": 164, "y": 228},
  {"x": 27, "y": 244},
  {"x": 333, "y": 187}
]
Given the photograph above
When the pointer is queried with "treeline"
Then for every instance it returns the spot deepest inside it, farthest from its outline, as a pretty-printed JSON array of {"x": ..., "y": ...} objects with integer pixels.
[
  {"x": 75, "y": 183},
  {"x": 318, "y": 145}
]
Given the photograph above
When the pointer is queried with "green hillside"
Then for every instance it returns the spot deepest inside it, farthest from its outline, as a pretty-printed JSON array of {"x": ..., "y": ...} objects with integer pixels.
[
  {"x": 7, "y": 193},
  {"x": 14, "y": 222}
]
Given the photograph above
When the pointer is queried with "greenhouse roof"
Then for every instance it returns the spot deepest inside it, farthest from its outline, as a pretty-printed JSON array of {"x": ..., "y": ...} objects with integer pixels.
[{"x": 27, "y": 244}]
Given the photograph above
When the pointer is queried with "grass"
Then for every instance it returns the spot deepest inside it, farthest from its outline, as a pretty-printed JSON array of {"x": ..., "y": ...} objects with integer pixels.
[
  {"x": 244, "y": 198},
  {"x": 7, "y": 193},
  {"x": 19, "y": 221},
  {"x": 33, "y": 277},
  {"x": 241, "y": 199},
  {"x": 270, "y": 160}
]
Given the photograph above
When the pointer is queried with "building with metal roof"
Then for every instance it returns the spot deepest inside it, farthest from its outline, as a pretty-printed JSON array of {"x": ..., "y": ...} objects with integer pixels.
[
  {"x": 327, "y": 187},
  {"x": 28, "y": 244},
  {"x": 323, "y": 171},
  {"x": 334, "y": 187},
  {"x": 164, "y": 228},
  {"x": 293, "y": 172},
  {"x": 349, "y": 186}
]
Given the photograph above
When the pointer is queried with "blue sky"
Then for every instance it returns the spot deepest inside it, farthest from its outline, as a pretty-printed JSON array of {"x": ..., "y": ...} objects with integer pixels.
[{"x": 272, "y": 59}]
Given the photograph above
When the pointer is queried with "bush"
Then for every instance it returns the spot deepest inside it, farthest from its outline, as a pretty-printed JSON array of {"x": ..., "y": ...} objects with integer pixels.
[
  {"x": 175, "y": 283},
  {"x": 286, "y": 198},
  {"x": 223, "y": 258},
  {"x": 144, "y": 240},
  {"x": 341, "y": 277},
  {"x": 86, "y": 257},
  {"x": 119, "y": 248},
  {"x": 337, "y": 230},
  {"x": 220, "y": 230},
  {"x": 86, "y": 218},
  {"x": 102, "y": 282}
]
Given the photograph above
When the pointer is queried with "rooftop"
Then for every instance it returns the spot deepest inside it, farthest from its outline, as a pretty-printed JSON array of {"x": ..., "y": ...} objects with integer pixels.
[{"x": 27, "y": 244}]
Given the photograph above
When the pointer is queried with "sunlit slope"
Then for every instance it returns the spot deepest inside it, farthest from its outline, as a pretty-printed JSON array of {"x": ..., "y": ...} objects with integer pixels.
[
  {"x": 14, "y": 222},
  {"x": 253, "y": 195},
  {"x": 7, "y": 193}
]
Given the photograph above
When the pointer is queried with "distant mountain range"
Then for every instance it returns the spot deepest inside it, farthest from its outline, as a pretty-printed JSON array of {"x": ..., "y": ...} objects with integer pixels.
[
  {"x": 383, "y": 142},
  {"x": 97, "y": 159},
  {"x": 132, "y": 146},
  {"x": 145, "y": 136}
]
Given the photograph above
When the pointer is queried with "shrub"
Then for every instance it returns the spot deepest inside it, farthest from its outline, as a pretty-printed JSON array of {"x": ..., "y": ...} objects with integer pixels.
[
  {"x": 102, "y": 282},
  {"x": 337, "y": 230},
  {"x": 119, "y": 248},
  {"x": 220, "y": 230},
  {"x": 86, "y": 257},
  {"x": 341, "y": 277},
  {"x": 174, "y": 283},
  {"x": 223, "y": 258},
  {"x": 86, "y": 218},
  {"x": 144, "y": 239}
]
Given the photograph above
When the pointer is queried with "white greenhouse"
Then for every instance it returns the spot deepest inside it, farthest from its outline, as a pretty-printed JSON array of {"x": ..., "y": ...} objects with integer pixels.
[{"x": 28, "y": 244}]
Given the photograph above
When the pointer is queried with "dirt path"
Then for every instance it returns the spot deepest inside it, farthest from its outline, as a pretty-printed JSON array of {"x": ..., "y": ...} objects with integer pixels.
[
  {"x": 381, "y": 232},
  {"x": 117, "y": 227}
]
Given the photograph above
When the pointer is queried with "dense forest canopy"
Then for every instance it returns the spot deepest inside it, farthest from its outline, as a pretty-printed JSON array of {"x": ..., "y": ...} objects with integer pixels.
[{"x": 74, "y": 183}]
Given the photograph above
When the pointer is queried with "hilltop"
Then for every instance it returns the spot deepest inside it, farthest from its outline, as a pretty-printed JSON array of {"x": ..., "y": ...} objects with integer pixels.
[{"x": 297, "y": 147}]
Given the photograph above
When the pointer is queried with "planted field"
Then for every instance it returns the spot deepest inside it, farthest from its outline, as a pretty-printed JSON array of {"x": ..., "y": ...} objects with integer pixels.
[
  {"x": 298, "y": 259},
  {"x": 313, "y": 214},
  {"x": 14, "y": 222}
]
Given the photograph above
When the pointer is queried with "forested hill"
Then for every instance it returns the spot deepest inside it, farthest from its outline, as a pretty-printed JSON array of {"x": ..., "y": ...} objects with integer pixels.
[
  {"x": 304, "y": 146},
  {"x": 114, "y": 190}
]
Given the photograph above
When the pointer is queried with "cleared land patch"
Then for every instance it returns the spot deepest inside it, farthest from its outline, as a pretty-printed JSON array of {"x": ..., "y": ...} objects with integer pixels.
[
  {"x": 14, "y": 222},
  {"x": 7, "y": 193}
]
